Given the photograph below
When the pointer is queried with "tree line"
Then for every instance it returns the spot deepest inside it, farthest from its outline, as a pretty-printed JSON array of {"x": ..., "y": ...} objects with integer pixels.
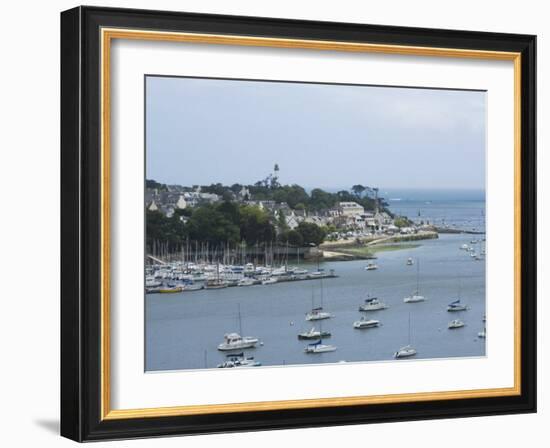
[{"x": 227, "y": 222}]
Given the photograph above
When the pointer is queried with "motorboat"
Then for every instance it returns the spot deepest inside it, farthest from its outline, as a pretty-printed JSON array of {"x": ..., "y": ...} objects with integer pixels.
[
  {"x": 246, "y": 282},
  {"x": 410, "y": 261},
  {"x": 482, "y": 334},
  {"x": 372, "y": 304},
  {"x": 371, "y": 267},
  {"x": 238, "y": 360},
  {"x": 464, "y": 247},
  {"x": 234, "y": 341},
  {"x": 269, "y": 281},
  {"x": 318, "y": 314},
  {"x": 457, "y": 306},
  {"x": 365, "y": 323},
  {"x": 405, "y": 352},
  {"x": 319, "y": 347},
  {"x": 314, "y": 334},
  {"x": 455, "y": 323}
]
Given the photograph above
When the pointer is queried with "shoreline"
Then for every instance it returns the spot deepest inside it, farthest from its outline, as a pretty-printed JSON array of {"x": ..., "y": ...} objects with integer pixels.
[{"x": 366, "y": 248}]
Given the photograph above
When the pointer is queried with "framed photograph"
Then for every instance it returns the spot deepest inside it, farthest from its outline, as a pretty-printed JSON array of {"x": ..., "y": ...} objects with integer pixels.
[{"x": 272, "y": 223}]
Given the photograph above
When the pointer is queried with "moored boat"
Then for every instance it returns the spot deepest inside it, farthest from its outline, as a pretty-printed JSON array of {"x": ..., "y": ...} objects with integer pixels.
[
  {"x": 319, "y": 347},
  {"x": 238, "y": 360},
  {"x": 371, "y": 267},
  {"x": 318, "y": 314},
  {"x": 372, "y": 304},
  {"x": 234, "y": 341},
  {"x": 314, "y": 334},
  {"x": 365, "y": 323},
  {"x": 405, "y": 352},
  {"x": 457, "y": 306},
  {"x": 455, "y": 323}
]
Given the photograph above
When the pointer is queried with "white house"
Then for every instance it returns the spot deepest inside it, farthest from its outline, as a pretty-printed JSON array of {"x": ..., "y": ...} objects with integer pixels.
[{"x": 351, "y": 208}]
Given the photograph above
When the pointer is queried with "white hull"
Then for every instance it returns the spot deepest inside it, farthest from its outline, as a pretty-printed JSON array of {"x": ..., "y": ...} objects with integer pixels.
[
  {"x": 237, "y": 346},
  {"x": 414, "y": 299},
  {"x": 405, "y": 352},
  {"x": 363, "y": 324},
  {"x": 380, "y": 306},
  {"x": 320, "y": 349},
  {"x": 457, "y": 308},
  {"x": 455, "y": 324},
  {"x": 318, "y": 316},
  {"x": 235, "y": 342}
]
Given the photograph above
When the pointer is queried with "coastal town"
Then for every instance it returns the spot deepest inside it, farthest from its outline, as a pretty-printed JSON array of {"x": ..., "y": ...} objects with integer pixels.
[{"x": 218, "y": 236}]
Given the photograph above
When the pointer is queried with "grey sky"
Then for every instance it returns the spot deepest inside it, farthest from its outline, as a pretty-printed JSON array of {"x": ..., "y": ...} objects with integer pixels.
[{"x": 202, "y": 131}]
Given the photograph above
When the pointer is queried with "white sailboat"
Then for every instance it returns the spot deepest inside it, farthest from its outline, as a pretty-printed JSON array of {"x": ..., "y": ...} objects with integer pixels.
[
  {"x": 416, "y": 296},
  {"x": 455, "y": 323},
  {"x": 317, "y": 313},
  {"x": 408, "y": 350},
  {"x": 319, "y": 347},
  {"x": 234, "y": 341},
  {"x": 457, "y": 305},
  {"x": 371, "y": 267}
]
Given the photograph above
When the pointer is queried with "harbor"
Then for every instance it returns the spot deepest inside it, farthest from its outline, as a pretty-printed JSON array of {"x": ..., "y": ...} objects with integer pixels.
[{"x": 184, "y": 329}]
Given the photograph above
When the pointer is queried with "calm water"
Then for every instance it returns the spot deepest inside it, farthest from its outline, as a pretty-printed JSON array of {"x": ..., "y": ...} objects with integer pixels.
[
  {"x": 183, "y": 330},
  {"x": 459, "y": 209}
]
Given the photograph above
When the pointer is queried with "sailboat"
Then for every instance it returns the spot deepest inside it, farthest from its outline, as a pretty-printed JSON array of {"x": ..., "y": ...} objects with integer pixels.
[
  {"x": 371, "y": 266},
  {"x": 408, "y": 350},
  {"x": 319, "y": 347},
  {"x": 415, "y": 297},
  {"x": 456, "y": 305},
  {"x": 318, "y": 313},
  {"x": 216, "y": 283},
  {"x": 234, "y": 341}
]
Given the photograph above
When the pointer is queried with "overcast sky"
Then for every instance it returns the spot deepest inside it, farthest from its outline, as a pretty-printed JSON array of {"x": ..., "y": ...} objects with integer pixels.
[{"x": 202, "y": 131}]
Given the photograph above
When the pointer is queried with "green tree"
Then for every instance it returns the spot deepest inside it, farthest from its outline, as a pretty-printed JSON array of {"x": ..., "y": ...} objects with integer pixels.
[
  {"x": 358, "y": 190},
  {"x": 209, "y": 224},
  {"x": 255, "y": 225},
  {"x": 163, "y": 229},
  {"x": 320, "y": 199},
  {"x": 294, "y": 238},
  {"x": 311, "y": 233}
]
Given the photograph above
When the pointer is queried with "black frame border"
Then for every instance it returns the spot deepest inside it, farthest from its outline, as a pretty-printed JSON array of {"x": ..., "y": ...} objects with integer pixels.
[{"x": 81, "y": 223}]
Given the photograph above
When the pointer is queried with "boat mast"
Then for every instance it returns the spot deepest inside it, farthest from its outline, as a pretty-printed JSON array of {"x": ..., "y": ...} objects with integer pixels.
[
  {"x": 417, "y": 276},
  {"x": 240, "y": 321}
]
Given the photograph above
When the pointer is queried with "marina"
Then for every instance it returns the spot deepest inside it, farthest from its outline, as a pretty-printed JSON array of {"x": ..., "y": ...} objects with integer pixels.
[{"x": 276, "y": 315}]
